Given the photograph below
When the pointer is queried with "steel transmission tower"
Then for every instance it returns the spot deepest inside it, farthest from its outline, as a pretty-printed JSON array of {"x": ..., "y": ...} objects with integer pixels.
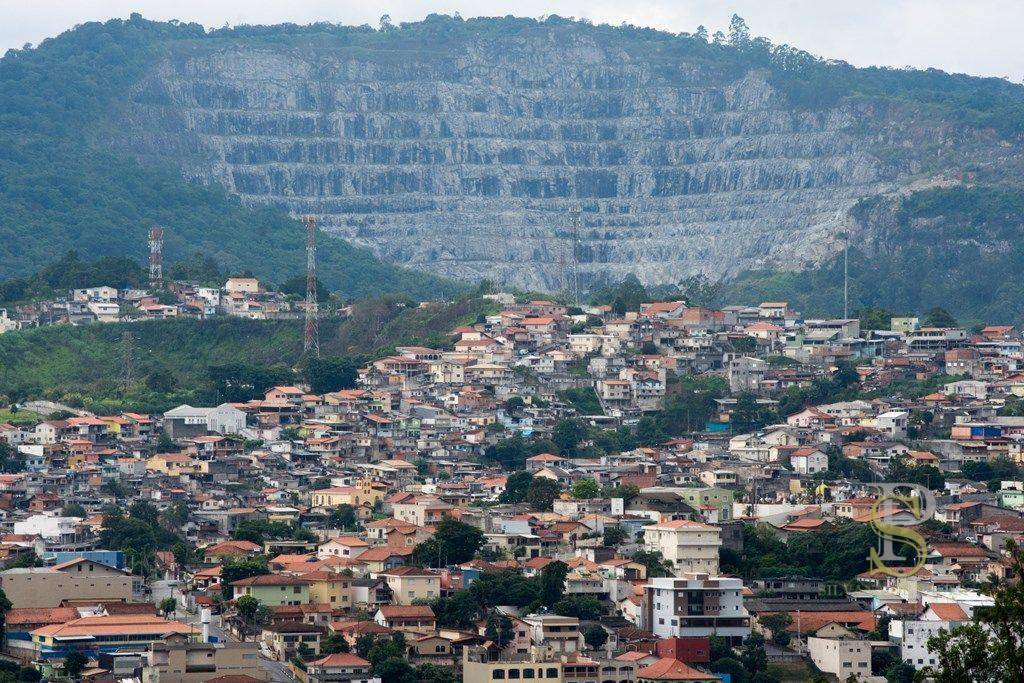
[
  {"x": 156, "y": 257},
  {"x": 311, "y": 339}
]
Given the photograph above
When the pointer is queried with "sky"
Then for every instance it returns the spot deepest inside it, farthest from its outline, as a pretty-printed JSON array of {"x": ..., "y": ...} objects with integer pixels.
[{"x": 978, "y": 37}]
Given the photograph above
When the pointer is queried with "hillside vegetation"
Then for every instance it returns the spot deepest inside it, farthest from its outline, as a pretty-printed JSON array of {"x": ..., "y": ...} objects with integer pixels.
[{"x": 201, "y": 362}]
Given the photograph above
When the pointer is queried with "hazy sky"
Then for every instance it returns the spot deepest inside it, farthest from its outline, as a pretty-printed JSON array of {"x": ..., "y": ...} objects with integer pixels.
[{"x": 981, "y": 37}]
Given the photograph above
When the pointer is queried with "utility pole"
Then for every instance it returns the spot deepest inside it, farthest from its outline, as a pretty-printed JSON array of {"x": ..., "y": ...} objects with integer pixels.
[
  {"x": 311, "y": 338},
  {"x": 156, "y": 257}
]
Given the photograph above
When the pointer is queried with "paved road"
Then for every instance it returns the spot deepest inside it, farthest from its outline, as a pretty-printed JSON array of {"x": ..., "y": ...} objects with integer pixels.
[{"x": 277, "y": 672}]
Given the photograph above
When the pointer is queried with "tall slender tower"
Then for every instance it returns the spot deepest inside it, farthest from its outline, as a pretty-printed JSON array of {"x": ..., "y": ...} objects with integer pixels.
[
  {"x": 156, "y": 257},
  {"x": 311, "y": 340}
]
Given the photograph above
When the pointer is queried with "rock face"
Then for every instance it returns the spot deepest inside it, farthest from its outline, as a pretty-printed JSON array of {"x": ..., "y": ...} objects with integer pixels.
[{"x": 471, "y": 161}]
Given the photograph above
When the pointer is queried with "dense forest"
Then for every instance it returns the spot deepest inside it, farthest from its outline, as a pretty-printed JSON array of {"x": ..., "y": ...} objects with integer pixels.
[{"x": 204, "y": 361}]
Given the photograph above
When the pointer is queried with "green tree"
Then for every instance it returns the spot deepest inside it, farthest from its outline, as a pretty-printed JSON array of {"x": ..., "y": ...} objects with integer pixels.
[
  {"x": 344, "y": 517},
  {"x": 333, "y": 644},
  {"x": 74, "y": 664},
  {"x": 74, "y": 510},
  {"x": 595, "y": 636},
  {"x": 168, "y": 606},
  {"x": 364, "y": 643},
  {"x": 614, "y": 536},
  {"x": 747, "y": 415},
  {"x": 435, "y": 673},
  {"x": 330, "y": 373},
  {"x": 990, "y": 648},
  {"x": 453, "y": 542},
  {"x": 517, "y": 485},
  {"x": 241, "y": 568},
  {"x": 499, "y": 629},
  {"x": 552, "y": 582},
  {"x": 753, "y": 655},
  {"x": 5, "y": 607},
  {"x": 777, "y": 624},
  {"x": 395, "y": 670},
  {"x": 510, "y": 453},
  {"x": 653, "y": 561},
  {"x": 585, "y": 489},
  {"x": 567, "y": 435},
  {"x": 583, "y": 607},
  {"x": 874, "y": 318},
  {"x": 542, "y": 493},
  {"x": 939, "y": 317}
]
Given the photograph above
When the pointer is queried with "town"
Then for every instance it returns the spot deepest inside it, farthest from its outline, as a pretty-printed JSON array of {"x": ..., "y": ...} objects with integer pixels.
[{"x": 640, "y": 491}]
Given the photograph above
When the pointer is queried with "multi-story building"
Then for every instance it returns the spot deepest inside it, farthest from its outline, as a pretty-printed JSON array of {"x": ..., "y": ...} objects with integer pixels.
[
  {"x": 690, "y": 546},
  {"x": 553, "y": 634},
  {"x": 696, "y": 605},
  {"x": 189, "y": 662},
  {"x": 837, "y": 651}
]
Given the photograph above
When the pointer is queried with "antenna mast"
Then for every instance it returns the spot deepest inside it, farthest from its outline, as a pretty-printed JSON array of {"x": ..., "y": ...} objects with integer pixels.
[
  {"x": 311, "y": 339},
  {"x": 156, "y": 257}
]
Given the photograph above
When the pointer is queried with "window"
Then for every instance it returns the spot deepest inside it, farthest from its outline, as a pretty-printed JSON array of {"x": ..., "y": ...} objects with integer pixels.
[
  {"x": 552, "y": 673},
  {"x": 498, "y": 674},
  {"x": 513, "y": 673}
]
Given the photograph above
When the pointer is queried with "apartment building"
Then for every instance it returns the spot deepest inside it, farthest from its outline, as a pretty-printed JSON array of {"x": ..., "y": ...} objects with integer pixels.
[
  {"x": 696, "y": 605},
  {"x": 690, "y": 546}
]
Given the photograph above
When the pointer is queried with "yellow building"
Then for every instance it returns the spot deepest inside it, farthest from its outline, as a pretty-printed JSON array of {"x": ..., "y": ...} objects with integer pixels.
[
  {"x": 477, "y": 667},
  {"x": 191, "y": 662},
  {"x": 412, "y": 583},
  {"x": 172, "y": 464},
  {"x": 363, "y": 497},
  {"x": 329, "y": 588}
]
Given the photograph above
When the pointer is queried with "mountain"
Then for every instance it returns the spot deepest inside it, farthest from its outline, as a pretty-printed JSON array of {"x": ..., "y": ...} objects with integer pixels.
[
  {"x": 67, "y": 183},
  {"x": 499, "y": 148}
]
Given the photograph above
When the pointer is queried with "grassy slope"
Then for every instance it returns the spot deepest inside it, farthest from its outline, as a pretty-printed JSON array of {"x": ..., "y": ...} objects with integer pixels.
[{"x": 83, "y": 365}]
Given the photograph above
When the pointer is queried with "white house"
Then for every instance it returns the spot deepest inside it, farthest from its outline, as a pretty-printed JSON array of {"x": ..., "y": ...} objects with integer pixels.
[{"x": 808, "y": 460}]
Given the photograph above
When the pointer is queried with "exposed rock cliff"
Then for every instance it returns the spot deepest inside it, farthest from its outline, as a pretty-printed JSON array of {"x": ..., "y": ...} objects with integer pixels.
[{"x": 469, "y": 158}]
